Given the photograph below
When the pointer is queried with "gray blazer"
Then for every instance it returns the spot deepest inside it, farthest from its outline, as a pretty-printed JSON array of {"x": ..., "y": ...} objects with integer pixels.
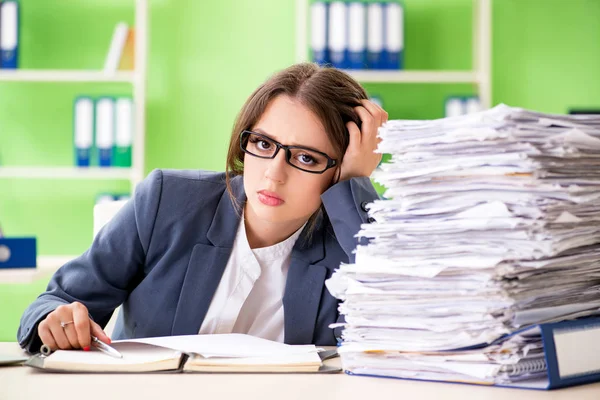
[{"x": 162, "y": 257}]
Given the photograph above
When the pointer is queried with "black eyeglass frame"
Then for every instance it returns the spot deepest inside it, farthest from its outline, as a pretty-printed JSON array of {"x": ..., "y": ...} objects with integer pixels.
[{"x": 288, "y": 154}]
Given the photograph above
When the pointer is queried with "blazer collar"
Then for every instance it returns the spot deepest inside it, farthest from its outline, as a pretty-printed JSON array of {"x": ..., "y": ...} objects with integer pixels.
[{"x": 225, "y": 222}]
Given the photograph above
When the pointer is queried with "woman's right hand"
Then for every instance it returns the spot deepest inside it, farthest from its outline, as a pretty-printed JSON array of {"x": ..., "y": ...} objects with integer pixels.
[{"x": 77, "y": 331}]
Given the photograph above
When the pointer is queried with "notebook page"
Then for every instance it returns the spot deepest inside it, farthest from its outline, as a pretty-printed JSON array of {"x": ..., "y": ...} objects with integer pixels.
[{"x": 225, "y": 345}]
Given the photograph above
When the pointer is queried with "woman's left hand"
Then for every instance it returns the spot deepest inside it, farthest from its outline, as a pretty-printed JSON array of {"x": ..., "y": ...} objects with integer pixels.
[{"x": 360, "y": 158}]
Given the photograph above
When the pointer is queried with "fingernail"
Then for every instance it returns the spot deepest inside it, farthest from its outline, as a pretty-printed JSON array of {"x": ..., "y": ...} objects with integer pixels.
[
  {"x": 109, "y": 341},
  {"x": 86, "y": 348}
]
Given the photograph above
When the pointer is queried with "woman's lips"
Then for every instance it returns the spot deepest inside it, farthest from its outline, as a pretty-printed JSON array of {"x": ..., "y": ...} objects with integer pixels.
[{"x": 269, "y": 198}]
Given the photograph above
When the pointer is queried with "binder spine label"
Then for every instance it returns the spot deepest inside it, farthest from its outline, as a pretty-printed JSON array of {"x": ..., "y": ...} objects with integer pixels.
[{"x": 577, "y": 350}]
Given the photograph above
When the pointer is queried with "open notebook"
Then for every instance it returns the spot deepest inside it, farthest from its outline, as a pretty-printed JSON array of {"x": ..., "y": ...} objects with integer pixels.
[{"x": 190, "y": 353}]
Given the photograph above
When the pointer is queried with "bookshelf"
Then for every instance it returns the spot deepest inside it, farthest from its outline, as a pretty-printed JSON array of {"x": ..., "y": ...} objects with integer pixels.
[
  {"x": 135, "y": 174},
  {"x": 136, "y": 78},
  {"x": 480, "y": 75}
]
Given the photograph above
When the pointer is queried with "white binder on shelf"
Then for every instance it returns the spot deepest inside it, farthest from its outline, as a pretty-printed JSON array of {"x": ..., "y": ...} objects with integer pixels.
[
  {"x": 393, "y": 53},
  {"x": 337, "y": 34},
  {"x": 318, "y": 32},
  {"x": 83, "y": 130},
  {"x": 454, "y": 107},
  {"x": 105, "y": 130},
  {"x": 9, "y": 34},
  {"x": 472, "y": 105},
  {"x": 357, "y": 35},
  {"x": 123, "y": 132},
  {"x": 117, "y": 44},
  {"x": 375, "y": 36}
]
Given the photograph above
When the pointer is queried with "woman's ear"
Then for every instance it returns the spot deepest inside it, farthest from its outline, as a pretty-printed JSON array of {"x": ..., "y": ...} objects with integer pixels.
[{"x": 336, "y": 176}]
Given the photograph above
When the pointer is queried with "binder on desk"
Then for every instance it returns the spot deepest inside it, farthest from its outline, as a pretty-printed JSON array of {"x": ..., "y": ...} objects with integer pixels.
[
  {"x": 105, "y": 130},
  {"x": 83, "y": 130},
  {"x": 9, "y": 34},
  {"x": 123, "y": 132},
  {"x": 337, "y": 35},
  {"x": 375, "y": 36},
  {"x": 357, "y": 32},
  {"x": 393, "y": 52},
  {"x": 18, "y": 252},
  {"x": 571, "y": 356},
  {"x": 318, "y": 32}
]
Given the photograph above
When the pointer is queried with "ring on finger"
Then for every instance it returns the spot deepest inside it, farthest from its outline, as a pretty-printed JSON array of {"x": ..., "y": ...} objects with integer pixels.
[{"x": 64, "y": 324}]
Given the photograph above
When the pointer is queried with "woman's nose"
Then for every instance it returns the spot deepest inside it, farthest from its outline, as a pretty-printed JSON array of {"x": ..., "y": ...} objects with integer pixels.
[{"x": 276, "y": 170}]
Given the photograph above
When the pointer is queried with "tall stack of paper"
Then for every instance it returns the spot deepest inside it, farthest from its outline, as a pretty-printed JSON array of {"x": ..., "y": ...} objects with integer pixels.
[{"x": 492, "y": 226}]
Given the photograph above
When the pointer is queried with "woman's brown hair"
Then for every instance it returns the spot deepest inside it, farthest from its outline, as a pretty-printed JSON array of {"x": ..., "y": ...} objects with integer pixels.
[{"x": 328, "y": 92}]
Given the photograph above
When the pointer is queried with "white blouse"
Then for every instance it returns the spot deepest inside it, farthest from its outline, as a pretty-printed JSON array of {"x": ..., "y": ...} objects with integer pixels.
[{"x": 249, "y": 296}]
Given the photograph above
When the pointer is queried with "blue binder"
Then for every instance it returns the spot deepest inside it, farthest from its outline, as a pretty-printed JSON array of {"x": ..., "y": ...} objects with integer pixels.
[
  {"x": 104, "y": 133},
  {"x": 393, "y": 51},
  {"x": 318, "y": 32},
  {"x": 375, "y": 36},
  {"x": 571, "y": 351},
  {"x": 18, "y": 252},
  {"x": 337, "y": 40},
  {"x": 357, "y": 35},
  {"x": 83, "y": 130},
  {"x": 9, "y": 36}
]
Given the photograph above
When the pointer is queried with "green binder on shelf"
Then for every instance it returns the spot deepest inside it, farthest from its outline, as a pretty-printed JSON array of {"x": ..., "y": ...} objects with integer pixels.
[{"x": 123, "y": 132}]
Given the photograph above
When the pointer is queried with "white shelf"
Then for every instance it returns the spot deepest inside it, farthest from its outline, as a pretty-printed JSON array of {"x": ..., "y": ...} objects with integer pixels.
[
  {"x": 383, "y": 76},
  {"x": 32, "y": 75},
  {"x": 46, "y": 266},
  {"x": 66, "y": 173}
]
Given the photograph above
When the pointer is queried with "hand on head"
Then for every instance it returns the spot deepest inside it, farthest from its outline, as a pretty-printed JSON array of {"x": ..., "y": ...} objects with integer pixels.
[
  {"x": 70, "y": 327},
  {"x": 360, "y": 158}
]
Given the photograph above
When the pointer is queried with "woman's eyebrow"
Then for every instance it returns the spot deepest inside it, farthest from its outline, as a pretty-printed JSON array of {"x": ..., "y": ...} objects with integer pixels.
[{"x": 262, "y": 132}]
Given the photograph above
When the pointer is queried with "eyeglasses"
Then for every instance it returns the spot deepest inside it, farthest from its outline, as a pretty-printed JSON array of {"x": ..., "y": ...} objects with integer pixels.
[{"x": 299, "y": 157}]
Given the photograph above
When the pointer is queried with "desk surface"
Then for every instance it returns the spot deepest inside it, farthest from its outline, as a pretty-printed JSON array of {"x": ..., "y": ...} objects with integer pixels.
[{"x": 25, "y": 383}]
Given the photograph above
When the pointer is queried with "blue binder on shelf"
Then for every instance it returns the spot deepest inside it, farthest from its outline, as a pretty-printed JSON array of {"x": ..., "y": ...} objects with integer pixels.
[
  {"x": 318, "y": 32},
  {"x": 83, "y": 130},
  {"x": 105, "y": 131},
  {"x": 18, "y": 252},
  {"x": 375, "y": 36},
  {"x": 357, "y": 35},
  {"x": 571, "y": 355},
  {"x": 393, "y": 49},
  {"x": 9, "y": 34},
  {"x": 337, "y": 40}
]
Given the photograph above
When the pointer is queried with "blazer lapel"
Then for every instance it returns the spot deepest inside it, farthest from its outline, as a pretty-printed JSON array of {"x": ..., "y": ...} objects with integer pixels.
[
  {"x": 304, "y": 287},
  {"x": 207, "y": 264}
]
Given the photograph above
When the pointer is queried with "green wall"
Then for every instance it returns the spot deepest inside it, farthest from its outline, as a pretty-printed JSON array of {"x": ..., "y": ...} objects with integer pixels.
[{"x": 207, "y": 57}]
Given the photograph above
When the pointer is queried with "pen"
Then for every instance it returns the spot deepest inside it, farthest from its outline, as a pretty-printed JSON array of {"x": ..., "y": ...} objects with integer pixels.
[
  {"x": 103, "y": 347},
  {"x": 106, "y": 349}
]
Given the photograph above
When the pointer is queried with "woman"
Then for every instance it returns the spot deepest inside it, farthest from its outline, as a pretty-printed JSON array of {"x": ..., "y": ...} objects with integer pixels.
[{"x": 245, "y": 251}]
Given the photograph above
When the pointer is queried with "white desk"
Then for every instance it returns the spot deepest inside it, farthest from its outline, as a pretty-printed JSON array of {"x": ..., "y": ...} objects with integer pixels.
[{"x": 26, "y": 383}]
